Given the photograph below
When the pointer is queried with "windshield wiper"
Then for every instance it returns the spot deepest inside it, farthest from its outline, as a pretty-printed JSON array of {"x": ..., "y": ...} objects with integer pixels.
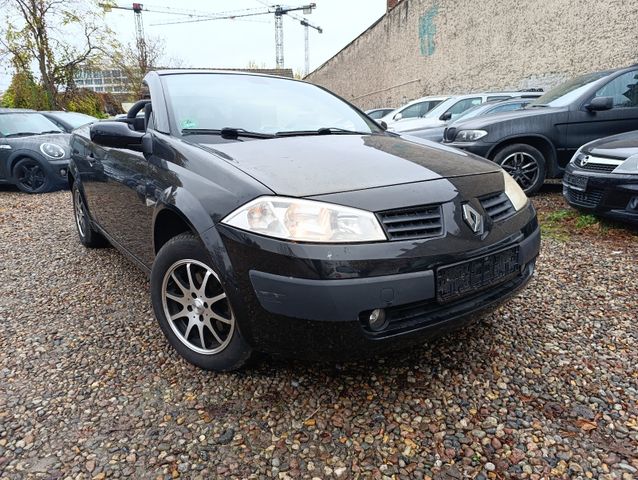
[
  {"x": 226, "y": 132},
  {"x": 321, "y": 131},
  {"x": 542, "y": 105},
  {"x": 50, "y": 131}
]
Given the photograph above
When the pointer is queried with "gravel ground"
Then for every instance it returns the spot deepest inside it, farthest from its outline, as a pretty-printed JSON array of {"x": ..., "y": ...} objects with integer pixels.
[{"x": 545, "y": 387}]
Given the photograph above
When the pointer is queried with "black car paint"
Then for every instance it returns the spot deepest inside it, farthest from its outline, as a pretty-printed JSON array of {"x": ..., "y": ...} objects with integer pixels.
[
  {"x": 133, "y": 199},
  {"x": 29, "y": 147},
  {"x": 617, "y": 191},
  {"x": 559, "y": 131}
]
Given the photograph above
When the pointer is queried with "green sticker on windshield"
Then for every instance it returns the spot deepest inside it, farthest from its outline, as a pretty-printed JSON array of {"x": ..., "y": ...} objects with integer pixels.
[{"x": 188, "y": 123}]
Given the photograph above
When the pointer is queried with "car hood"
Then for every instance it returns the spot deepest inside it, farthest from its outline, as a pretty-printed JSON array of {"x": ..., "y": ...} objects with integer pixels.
[
  {"x": 524, "y": 114},
  {"x": 33, "y": 142},
  {"x": 316, "y": 165},
  {"x": 623, "y": 146}
]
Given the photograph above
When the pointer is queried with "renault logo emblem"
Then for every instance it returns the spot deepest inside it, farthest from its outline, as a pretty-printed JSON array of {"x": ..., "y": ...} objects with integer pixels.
[{"x": 473, "y": 218}]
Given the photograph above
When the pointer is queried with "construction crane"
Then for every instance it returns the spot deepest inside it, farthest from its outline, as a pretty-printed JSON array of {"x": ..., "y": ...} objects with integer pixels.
[
  {"x": 306, "y": 24},
  {"x": 278, "y": 10},
  {"x": 192, "y": 16}
]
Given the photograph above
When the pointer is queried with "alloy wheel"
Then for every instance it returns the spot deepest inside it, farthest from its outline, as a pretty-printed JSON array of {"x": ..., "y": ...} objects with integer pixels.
[
  {"x": 30, "y": 176},
  {"x": 196, "y": 307},
  {"x": 80, "y": 213},
  {"x": 523, "y": 168}
]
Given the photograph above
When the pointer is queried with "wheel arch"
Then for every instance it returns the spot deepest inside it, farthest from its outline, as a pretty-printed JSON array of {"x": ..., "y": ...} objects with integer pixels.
[
  {"x": 178, "y": 211},
  {"x": 540, "y": 142}
]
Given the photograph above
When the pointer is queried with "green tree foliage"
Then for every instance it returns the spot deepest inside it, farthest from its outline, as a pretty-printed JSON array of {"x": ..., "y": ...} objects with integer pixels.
[
  {"x": 54, "y": 36},
  {"x": 24, "y": 92}
]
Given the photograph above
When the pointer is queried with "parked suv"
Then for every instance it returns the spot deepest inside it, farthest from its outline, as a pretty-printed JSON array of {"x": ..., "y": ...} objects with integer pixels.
[{"x": 537, "y": 142}]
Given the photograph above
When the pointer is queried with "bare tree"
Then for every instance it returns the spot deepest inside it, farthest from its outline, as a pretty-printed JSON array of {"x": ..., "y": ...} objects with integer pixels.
[
  {"x": 135, "y": 64},
  {"x": 36, "y": 33}
]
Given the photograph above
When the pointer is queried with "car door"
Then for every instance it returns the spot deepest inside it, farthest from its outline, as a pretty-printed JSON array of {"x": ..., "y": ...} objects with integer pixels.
[
  {"x": 585, "y": 126},
  {"x": 123, "y": 209}
]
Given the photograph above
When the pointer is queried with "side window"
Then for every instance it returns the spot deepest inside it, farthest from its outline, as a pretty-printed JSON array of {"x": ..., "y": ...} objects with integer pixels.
[
  {"x": 506, "y": 108},
  {"x": 462, "y": 105},
  {"x": 623, "y": 89},
  {"x": 413, "y": 111}
]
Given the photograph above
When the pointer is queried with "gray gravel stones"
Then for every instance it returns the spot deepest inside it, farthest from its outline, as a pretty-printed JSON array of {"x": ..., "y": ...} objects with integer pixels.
[{"x": 545, "y": 387}]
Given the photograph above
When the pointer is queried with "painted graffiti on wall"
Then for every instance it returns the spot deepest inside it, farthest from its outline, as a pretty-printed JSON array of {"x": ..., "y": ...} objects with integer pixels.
[{"x": 427, "y": 30}]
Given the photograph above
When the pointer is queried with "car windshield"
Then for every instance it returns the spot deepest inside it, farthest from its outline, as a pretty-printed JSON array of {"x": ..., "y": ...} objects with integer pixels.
[
  {"x": 17, "y": 124},
  {"x": 75, "y": 119},
  {"x": 567, "y": 92},
  {"x": 258, "y": 104}
]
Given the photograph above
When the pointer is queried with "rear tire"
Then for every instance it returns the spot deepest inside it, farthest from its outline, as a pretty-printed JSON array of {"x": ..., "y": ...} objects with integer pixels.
[
  {"x": 192, "y": 308},
  {"x": 89, "y": 237},
  {"x": 31, "y": 176},
  {"x": 525, "y": 164}
]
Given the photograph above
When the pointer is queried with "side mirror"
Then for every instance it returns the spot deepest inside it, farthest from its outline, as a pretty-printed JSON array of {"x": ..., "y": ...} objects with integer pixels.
[
  {"x": 600, "y": 103},
  {"x": 445, "y": 117},
  {"x": 383, "y": 125},
  {"x": 397, "y": 117},
  {"x": 116, "y": 135}
]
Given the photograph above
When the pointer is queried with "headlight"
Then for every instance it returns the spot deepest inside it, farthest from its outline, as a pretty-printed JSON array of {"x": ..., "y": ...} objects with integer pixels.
[
  {"x": 469, "y": 135},
  {"x": 52, "y": 150},
  {"x": 514, "y": 192},
  {"x": 306, "y": 221}
]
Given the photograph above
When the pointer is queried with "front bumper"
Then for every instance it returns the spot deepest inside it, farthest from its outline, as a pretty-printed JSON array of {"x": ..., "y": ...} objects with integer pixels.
[
  {"x": 477, "y": 148},
  {"x": 314, "y": 306},
  {"x": 58, "y": 171},
  {"x": 608, "y": 194}
]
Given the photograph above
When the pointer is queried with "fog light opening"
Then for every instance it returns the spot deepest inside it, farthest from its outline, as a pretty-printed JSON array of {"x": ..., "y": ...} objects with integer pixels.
[
  {"x": 377, "y": 320},
  {"x": 63, "y": 172}
]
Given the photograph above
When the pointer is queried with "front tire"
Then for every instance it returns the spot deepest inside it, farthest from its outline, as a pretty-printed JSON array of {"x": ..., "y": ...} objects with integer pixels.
[
  {"x": 525, "y": 164},
  {"x": 31, "y": 176},
  {"x": 192, "y": 307},
  {"x": 89, "y": 237}
]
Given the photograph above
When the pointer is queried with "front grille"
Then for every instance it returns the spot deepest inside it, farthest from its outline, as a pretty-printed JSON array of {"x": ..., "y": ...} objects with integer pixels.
[
  {"x": 591, "y": 198},
  {"x": 449, "y": 134},
  {"x": 497, "y": 206},
  {"x": 598, "y": 164},
  {"x": 599, "y": 167},
  {"x": 412, "y": 222}
]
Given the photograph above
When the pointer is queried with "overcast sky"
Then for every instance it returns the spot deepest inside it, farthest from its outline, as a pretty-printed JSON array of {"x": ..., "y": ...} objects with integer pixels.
[{"x": 235, "y": 43}]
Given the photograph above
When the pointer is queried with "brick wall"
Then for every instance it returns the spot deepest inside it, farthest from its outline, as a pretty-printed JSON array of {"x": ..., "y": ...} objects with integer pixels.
[{"x": 423, "y": 47}]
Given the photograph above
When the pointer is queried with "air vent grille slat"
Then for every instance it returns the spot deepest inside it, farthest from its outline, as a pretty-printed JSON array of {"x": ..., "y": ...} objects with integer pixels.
[
  {"x": 591, "y": 198},
  {"x": 412, "y": 223},
  {"x": 497, "y": 206}
]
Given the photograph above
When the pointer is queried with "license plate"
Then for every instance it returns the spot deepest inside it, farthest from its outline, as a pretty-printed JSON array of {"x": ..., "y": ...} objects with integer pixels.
[
  {"x": 460, "y": 279},
  {"x": 576, "y": 182}
]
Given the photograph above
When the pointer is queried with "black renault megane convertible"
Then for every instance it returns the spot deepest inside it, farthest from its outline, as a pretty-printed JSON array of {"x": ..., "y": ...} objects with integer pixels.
[{"x": 273, "y": 216}]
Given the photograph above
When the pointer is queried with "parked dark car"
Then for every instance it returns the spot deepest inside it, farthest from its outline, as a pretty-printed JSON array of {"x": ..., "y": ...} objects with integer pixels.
[
  {"x": 34, "y": 152},
  {"x": 378, "y": 113},
  {"x": 435, "y": 134},
  {"x": 537, "y": 142},
  {"x": 69, "y": 121},
  {"x": 273, "y": 216},
  {"x": 603, "y": 177}
]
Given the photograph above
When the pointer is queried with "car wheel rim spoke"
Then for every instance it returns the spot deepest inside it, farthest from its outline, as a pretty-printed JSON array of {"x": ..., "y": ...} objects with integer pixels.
[
  {"x": 522, "y": 167},
  {"x": 196, "y": 307}
]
